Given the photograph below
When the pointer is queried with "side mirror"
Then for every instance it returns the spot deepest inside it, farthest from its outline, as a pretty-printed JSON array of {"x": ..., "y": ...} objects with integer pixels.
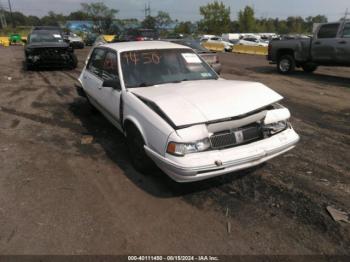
[{"x": 115, "y": 84}]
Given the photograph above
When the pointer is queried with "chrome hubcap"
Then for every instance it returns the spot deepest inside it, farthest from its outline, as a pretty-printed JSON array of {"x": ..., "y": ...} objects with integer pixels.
[{"x": 284, "y": 65}]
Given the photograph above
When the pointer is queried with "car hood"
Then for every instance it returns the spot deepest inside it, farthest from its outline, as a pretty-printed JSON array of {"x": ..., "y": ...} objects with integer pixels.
[
  {"x": 75, "y": 39},
  {"x": 194, "y": 102}
]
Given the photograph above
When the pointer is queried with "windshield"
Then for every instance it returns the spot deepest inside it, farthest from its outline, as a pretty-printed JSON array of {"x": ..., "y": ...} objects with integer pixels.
[
  {"x": 152, "y": 67},
  {"x": 52, "y": 37}
]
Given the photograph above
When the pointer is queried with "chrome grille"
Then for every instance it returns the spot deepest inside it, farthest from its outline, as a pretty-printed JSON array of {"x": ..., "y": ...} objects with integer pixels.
[{"x": 228, "y": 138}]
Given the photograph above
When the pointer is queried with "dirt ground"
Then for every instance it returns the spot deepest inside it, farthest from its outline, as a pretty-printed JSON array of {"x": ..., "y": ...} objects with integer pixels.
[{"x": 58, "y": 196}]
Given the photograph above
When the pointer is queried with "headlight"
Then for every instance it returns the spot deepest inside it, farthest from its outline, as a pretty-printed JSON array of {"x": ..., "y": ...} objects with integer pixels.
[
  {"x": 276, "y": 127},
  {"x": 181, "y": 149}
]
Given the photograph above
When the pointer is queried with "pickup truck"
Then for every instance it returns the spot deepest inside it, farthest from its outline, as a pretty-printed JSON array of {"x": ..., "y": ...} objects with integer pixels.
[{"x": 330, "y": 46}]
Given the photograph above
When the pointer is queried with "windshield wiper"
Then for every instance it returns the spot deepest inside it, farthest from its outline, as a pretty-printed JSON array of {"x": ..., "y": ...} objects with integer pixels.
[
  {"x": 144, "y": 84},
  {"x": 179, "y": 81}
]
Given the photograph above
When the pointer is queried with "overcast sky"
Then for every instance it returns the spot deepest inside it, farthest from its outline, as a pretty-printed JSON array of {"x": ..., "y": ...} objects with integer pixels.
[{"x": 189, "y": 9}]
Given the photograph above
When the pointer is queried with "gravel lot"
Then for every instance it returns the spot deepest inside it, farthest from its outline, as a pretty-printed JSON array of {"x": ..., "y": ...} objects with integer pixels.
[{"x": 58, "y": 196}]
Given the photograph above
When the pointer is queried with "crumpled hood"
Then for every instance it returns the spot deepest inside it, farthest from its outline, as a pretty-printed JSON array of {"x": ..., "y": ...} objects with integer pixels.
[{"x": 202, "y": 101}]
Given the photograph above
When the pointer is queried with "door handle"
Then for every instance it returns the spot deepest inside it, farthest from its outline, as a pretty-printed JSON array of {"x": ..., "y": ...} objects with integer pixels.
[
  {"x": 342, "y": 42},
  {"x": 317, "y": 43}
]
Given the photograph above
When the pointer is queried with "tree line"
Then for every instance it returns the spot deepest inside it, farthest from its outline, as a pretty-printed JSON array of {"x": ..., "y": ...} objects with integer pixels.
[{"x": 216, "y": 19}]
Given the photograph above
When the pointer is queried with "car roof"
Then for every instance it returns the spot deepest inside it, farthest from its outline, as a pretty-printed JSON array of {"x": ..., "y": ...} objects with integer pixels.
[
  {"x": 38, "y": 28},
  {"x": 143, "y": 45},
  {"x": 46, "y": 32}
]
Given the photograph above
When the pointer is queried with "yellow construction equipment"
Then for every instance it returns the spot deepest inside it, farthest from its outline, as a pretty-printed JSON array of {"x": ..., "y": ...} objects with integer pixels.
[
  {"x": 252, "y": 50},
  {"x": 214, "y": 46},
  {"x": 4, "y": 41},
  {"x": 108, "y": 38}
]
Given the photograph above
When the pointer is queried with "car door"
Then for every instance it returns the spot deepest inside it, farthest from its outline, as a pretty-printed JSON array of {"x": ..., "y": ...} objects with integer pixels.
[
  {"x": 110, "y": 97},
  {"x": 323, "y": 49},
  {"x": 343, "y": 45},
  {"x": 92, "y": 77}
]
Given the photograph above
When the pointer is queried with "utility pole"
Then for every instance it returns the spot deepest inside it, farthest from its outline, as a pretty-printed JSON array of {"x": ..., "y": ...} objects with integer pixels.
[
  {"x": 2, "y": 17},
  {"x": 12, "y": 20},
  {"x": 147, "y": 9}
]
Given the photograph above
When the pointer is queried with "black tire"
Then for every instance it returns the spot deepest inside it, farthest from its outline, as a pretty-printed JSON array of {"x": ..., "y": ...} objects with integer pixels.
[
  {"x": 73, "y": 62},
  {"x": 92, "y": 108},
  {"x": 309, "y": 68},
  {"x": 28, "y": 67},
  {"x": 285, "y": 64},
  {"x": 137, "y": 153}
]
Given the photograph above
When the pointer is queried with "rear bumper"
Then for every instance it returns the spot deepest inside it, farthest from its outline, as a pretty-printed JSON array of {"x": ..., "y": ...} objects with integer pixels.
[{"x": 200, "y": 166}]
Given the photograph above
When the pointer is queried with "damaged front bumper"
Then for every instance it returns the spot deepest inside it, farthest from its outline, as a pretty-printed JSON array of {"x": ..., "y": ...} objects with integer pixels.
[{"x": 204, "y": 165}]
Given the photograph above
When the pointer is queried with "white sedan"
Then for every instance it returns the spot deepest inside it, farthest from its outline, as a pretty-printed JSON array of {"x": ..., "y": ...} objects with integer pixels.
[
  {"x": 218, "y": 40},
  {"x": 251, "y": 41},
  {"x": 176, "y": 112}
]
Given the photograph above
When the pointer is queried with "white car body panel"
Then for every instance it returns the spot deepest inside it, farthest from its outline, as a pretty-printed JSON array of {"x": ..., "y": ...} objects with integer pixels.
[
  {"x": 251, "y": 43},
  {"x": 189, "y": 106},
  {"x": 205, "y": 103}
]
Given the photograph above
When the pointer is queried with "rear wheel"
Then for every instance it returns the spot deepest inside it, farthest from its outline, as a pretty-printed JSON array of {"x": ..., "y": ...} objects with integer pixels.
[
  {"x": 136, "y": 144},
  {"x": 286, "y": 64},
  {"x": 309, "y": 68}
]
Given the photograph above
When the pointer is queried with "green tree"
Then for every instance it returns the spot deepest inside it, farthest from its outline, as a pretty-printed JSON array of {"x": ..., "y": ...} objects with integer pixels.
[
  {"x": 33, "y": 20},
  {"x": 53, "y": 19},
  {"x": 100, "y": 14},
  {"x": 216, "y": 18},
  {"x": 246, "y": 20},
  {"x": 149, "y": 22},
  {"x": 163, "y": 19},
  {"x": 282, "y": 27},
  {"x": 295, "y": 24},
  {"x": 185, "y": 28},
  {"x": 311, "y": 20},
  {"x": 78, "y": 15}
]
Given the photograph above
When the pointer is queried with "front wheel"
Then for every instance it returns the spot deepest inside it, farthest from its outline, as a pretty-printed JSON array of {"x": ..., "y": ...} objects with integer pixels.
[
  {"x": 286, "y": 64},
  {"x": 136, "y": 144},
  {"x": 73, "y": 63},
  {"x": 309, "y": 68}
]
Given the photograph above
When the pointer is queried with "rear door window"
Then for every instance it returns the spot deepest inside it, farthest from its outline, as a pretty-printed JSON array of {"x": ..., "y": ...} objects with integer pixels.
[
  {"x": 346, "y": 30},
  {"x": 328, "y": 31},
  {"x": 95, "y": 65}
]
